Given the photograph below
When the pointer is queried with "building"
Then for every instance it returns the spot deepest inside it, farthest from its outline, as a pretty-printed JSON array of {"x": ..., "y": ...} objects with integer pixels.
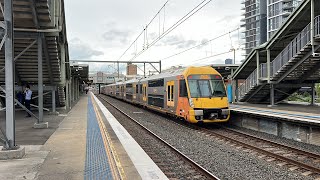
[
  {"x": 262, "y": 18},
  {"x": 254, "y": 23},
  {"x": 228, "y": 61},
  {"x": 278, "y": 12},
  {"x": 131, "y": 69},
  {"x": 105, "y": 78}
]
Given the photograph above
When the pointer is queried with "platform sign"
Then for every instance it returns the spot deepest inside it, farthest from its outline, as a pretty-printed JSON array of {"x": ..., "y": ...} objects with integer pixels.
[
  {"x": 229, "y": 90},
  {"x": 100, "y": 77}
]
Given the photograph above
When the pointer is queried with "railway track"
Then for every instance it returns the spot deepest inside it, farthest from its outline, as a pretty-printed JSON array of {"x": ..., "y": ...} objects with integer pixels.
[
  {"x": 175, "y": 164},
  {"x": 300, "y": 161},
  {"x": 295, "y": 159},
  {"x": 307, "y": 163}
]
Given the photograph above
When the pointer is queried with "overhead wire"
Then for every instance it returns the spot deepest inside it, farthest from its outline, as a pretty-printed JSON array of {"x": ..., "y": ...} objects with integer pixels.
[
  {"x": 175, "y": 25},
  {"x": 201, "y": 44},
  {"x": 143, "y": 30}
]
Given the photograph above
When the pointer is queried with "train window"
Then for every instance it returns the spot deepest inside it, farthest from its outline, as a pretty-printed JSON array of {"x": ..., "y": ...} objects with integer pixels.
[
  {"x": 156, "y": 83},
  {"x": 140, "y": 88},
  {"x": 169, "y": 93},
  {"x": 145, "y": 91},
  {"x": 129, "y": 85},
  {"x": 137, "y": 89},
  {"x": 183, "y": 88},
  {"x": 172, "y": 88}
]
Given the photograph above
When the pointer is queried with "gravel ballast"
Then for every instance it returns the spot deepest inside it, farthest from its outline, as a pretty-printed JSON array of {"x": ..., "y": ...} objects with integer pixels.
[{"x": 221, "y": 159}]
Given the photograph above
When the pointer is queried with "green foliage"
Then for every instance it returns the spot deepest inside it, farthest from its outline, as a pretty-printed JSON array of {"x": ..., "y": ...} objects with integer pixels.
[{"x": 306, "y": 97}]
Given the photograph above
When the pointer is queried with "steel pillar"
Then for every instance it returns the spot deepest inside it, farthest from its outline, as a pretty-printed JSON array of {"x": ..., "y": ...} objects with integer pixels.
[
  {"x": 67, "y": 96},
  {"x": 118, "y": 71},
  {"x": 70, "y": 92},
  {"x": 53, "y": 101},
  {"x": 40, "y": 80},
  {"x": 63, "y": 64},
  {"x": 272, "y": 95},
  {"x": 312, "y": 26},
  {"x": 9, "y": 75},
  {"x": 144, "y": 69},
  {"x": 258, "y": 66},
  {"x": 268, "y": 65},
  {"x": 237, "y": 90},
  {"x": 77, "y": 89},
  {"x": 313, "y": 94}
]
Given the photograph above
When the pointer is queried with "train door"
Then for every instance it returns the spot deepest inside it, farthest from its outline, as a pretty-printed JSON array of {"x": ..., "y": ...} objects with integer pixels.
[
  {"x": 135, "y": 92},
  {"x": 144, "y": 92},
  {"x": 170, "y": 93},
  {"x": 183, "y": 104}
]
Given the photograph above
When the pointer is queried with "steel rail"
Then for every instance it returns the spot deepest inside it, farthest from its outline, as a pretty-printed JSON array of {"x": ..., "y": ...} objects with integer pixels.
[
  {"x": 302, "y": 152},
  {"x": 193, "y": 163},
  {"x": 277, "y": 156}
]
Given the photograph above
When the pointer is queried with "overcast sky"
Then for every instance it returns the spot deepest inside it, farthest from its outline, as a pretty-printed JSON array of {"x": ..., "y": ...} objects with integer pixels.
[{"x": 104, "y": 29}]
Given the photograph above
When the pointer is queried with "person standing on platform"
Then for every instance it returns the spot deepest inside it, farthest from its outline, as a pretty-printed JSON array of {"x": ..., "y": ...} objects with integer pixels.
[{"x": 28, "y": 94}]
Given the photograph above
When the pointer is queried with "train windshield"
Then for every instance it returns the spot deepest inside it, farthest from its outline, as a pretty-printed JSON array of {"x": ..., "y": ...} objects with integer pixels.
[{"x": 206, "y": 86}]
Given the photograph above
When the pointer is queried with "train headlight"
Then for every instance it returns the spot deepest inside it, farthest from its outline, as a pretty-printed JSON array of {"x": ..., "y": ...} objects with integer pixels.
[
  {"x": 191, "y": 103},
  {"x": 224, "y": 111}
]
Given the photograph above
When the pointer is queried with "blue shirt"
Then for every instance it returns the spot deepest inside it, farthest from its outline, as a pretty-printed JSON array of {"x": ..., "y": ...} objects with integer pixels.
[{"x": 28, "y": 94}]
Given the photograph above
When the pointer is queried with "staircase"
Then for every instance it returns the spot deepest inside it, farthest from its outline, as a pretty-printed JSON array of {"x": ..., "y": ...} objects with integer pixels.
[{"x": 292, "y": 67}]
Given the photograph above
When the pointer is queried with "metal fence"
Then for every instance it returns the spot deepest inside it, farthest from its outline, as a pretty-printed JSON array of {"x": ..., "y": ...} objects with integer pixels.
[
  {"x": 287, "y": 54},
  {"x": 291, "y": 51},
  {"x": 317, "y": 26}
]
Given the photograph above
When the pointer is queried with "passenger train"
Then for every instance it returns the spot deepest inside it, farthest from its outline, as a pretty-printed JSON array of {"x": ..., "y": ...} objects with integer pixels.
[{"x": 195, "y": 94}]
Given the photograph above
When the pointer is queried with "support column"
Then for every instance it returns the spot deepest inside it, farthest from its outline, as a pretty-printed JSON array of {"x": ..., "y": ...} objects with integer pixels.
[
  {"x": 312, "y": 26},
  {"x": 40, "y": 80},
  {"x": 268, "y": 65},
  {"x": 160, "y": 66},
  {"x": 144, "y": 69},
  {"x": 77, "y": 89},
  {"x": 53, "y": 101},
  {"x": 40, "y": 124},
  {"x": 271, "y": 95},
  {"x": 118, "y": 71},
  {"x": 313, "y": 94},
  {"x": 237, "y": 90},
  {"x": 67, "y": 96},
  {"x": 70, "y": 90},
  {"x": 9, "y": 76},
  {"x": 258, "y": 66}
]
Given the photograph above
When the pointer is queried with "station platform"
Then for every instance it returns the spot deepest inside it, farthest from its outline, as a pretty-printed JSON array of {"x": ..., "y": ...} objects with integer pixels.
[
  {"x": 87, "y": 143},
  {"x": 302, "y": 113}
]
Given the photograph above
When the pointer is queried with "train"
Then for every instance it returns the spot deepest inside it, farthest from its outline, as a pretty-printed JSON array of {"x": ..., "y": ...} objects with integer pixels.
[{"x": 194, "y": 94}]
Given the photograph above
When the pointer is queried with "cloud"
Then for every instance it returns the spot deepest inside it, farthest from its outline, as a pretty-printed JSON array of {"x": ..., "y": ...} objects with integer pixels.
[
  {"x": 81, "y": 50},
  {"x": 116, "y": 36},
  {"x": 177, "y": 41}
]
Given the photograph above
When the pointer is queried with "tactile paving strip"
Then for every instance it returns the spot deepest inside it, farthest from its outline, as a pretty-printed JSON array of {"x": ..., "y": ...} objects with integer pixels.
[{"x": 97, "y": 165}]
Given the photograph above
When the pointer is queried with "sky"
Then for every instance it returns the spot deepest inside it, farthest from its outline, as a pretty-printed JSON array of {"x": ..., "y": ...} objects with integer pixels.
[{"x": 104, "y": 30}]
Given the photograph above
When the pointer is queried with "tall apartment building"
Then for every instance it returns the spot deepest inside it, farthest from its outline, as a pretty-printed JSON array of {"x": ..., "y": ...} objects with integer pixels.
[
  {"x": 262, "y": 18},
  {"x": 254, "y": 23},
  {"x": 278, "y": 12}
]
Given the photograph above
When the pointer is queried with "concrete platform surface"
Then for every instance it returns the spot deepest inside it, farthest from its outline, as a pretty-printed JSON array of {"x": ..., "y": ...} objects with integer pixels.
[
  {"x": 26, "y": 134},
  {"x": 82, "y": 146},
  {"x": 290, "y": 112},
  {"x": 66, "y": 146}
]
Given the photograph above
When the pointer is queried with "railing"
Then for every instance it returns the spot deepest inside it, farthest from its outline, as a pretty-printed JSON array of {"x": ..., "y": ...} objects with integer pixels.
[
  {"x": 317, "y": 26},
  {"x": 293, "y": 48},
  {"x": 289, "y": 52}
]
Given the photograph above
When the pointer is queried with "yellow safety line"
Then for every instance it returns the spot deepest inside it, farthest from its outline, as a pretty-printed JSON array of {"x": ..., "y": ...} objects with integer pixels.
[{"x": 110, "y": 150}]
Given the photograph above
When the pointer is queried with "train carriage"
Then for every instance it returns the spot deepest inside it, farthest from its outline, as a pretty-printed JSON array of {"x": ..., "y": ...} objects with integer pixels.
[{"x": 196, "y": 94}]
